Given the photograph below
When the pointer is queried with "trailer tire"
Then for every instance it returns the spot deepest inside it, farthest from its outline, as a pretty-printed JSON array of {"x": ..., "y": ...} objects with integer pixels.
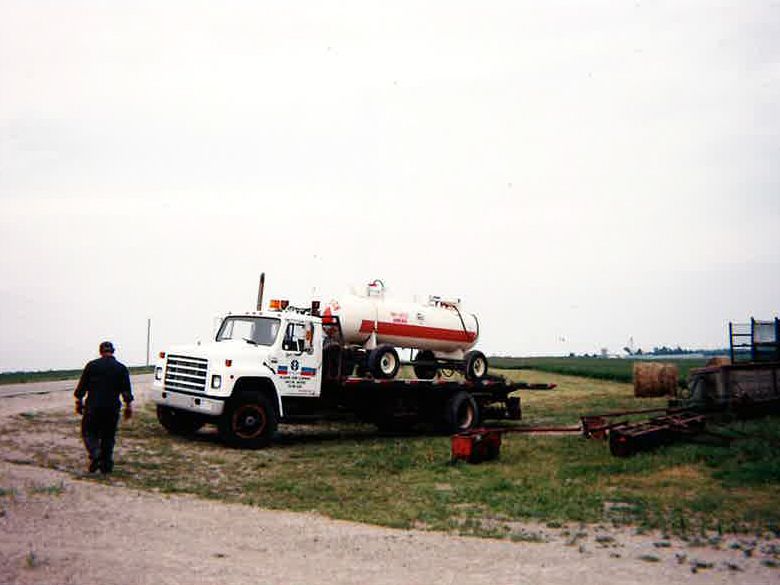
[
  {"x": 475, "y": 365},
  {"x": 249, "y": 421},
  {"x": 179, "y": 422},
  {"x": 423, "y": 371},
  {"x": 383, "y": 362},
  {"x": 461, "y": 413}
]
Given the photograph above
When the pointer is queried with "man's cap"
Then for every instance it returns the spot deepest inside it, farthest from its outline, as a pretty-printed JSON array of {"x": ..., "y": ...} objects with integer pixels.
[{"x": 107, "y": 346}]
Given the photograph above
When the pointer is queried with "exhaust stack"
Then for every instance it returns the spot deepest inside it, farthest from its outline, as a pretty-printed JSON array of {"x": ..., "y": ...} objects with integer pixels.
[{"x": 260, "y": 292}]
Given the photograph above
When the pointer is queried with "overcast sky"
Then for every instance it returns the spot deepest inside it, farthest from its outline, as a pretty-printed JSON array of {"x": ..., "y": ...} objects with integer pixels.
[{"x": 577, "y": 172}]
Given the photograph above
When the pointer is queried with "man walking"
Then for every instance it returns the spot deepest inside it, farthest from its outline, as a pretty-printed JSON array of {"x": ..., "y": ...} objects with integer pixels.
[{"x": 103, "y": 381}]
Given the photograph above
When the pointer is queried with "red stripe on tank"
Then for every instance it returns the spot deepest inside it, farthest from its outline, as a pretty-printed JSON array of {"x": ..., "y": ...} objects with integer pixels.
[{"x": 418, "y": 331}]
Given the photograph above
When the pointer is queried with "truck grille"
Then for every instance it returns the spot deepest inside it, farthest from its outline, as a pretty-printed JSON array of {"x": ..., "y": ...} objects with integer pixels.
[{"x": 186, "y": 373}]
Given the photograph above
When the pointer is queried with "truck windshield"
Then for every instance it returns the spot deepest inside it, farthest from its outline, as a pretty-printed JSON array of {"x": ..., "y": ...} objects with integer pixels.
[{"x": 255, "y": 330}]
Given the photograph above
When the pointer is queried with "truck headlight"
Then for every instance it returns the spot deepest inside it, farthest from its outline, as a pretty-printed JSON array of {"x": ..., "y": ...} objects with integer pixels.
[
  {"x": 216, "y": 381},
  {"x": 158, "y": 373}
]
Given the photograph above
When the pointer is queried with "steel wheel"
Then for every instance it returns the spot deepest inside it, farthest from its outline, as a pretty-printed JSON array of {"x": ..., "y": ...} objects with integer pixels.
[
  {"x": 475, "y": 366},
  {"x": 388, "y": 364},
  {"x": 383, "y": 362},
  {"x": 249, "y": 421}
]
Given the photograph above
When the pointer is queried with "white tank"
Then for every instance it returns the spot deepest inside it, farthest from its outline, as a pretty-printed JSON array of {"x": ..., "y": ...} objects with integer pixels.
[{"x": 371, "y": 320}]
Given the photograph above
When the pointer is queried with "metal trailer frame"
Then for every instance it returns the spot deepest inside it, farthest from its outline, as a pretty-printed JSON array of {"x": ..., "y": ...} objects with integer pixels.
[{"x": 423, "y": 400}]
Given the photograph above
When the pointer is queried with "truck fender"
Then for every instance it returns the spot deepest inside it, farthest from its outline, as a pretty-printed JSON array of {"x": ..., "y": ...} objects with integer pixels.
[{"x": 262, "y": 384}]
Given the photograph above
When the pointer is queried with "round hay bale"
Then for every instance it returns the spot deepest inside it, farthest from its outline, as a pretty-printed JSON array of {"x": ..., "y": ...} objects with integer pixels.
[
  {"x": 717, "y": 361},
  {"x": 653, "y": 379}
]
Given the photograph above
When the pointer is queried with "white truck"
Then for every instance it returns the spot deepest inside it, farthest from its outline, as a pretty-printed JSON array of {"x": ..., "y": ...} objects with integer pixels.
[{"x": 287, "y": 364}]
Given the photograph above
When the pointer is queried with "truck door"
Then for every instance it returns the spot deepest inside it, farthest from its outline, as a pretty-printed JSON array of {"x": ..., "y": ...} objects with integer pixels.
[{"x": 299, "y": 363}]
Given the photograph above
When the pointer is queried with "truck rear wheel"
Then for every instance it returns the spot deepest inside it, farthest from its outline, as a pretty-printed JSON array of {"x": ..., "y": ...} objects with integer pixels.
[
  {"x": 424, "y": 371},
  {"x": 383, "y": 362},
  {"x": 476, "y": 365},
  {"x": 178, "y": 422},
  {"x": 461, "y": 413},
  {"x": 249, "y": 421}
]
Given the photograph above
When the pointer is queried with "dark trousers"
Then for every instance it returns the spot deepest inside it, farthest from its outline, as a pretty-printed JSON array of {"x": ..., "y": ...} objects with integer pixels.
[{"x": 98, "y": 429}]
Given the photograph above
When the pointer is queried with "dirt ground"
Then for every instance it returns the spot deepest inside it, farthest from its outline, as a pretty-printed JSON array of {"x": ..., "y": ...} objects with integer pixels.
[{"x": 59, "y": 529}]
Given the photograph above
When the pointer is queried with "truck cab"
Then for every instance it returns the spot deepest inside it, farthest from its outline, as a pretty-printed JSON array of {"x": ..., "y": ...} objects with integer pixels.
[{"x": 257, "y": 362}]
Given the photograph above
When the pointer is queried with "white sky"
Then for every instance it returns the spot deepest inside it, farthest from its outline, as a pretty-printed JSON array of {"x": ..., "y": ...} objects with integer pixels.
[{"x": 585, "y": 171}]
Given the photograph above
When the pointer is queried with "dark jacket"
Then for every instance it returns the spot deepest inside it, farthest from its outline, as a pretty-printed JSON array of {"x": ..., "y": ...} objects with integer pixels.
[{"x": 103, "y": 381}]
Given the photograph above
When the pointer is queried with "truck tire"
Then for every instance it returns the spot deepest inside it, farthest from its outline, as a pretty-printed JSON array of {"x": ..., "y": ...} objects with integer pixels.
[
  {"x": 475, "y": 365},
  {"x": 178, "y": 422},
  {"x": 383, "y": 362},
  {"x": 424, "y": 371},
  {"x": 249, "y": 421},
  {"x": 461, "y": 413}
]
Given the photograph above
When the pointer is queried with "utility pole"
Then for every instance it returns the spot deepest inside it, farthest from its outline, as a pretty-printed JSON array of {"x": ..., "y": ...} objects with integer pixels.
[{"x": 148, "y": 338}]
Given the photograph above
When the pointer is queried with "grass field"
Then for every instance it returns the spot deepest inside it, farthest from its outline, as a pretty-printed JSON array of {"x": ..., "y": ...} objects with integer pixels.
[
  {"x": 620, "y": 370},
  {"x": 53, "y": 375},
  {"x": 348, "y": 471}
]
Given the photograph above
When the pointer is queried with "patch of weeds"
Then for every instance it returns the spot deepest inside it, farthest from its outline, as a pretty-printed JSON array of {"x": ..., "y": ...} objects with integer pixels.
[
  {"x": 5, "y": 492},
  {"x": 32, "y": 560},
  {"x": 604, "y": 539},
  {"x": 55, "y": 489},
  {"x": 698, "y": 565},
  {"x": 649, "y": 558},
  {"x": 771, "y": 563},
  {"x": 527, "y": 536}
]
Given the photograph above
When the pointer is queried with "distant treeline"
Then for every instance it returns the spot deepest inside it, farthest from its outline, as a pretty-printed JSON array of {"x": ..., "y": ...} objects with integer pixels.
[
  {"x": 619, "y": 370},
  {"x": 53, "y": 375},
  {"x": 664, "y": 350}
]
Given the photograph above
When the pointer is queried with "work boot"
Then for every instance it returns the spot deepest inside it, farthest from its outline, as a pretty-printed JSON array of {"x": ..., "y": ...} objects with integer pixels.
[
  {"x": 106, "y": 467},
  {"x": 93, "y": 466}
]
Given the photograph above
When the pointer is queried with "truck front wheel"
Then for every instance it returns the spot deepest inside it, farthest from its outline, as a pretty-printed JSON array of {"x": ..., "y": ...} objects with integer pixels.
[
  {"x": 178, "y": 422},
  {"x": 249, "y": 421}
]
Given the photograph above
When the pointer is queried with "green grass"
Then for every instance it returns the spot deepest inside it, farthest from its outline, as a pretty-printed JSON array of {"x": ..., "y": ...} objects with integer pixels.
[
  {"x": 54, "y": 375},
  {"x": 54, "y": 489},
  {"x": 620, "y": 370},
  {"x": 348, "y": 471}
]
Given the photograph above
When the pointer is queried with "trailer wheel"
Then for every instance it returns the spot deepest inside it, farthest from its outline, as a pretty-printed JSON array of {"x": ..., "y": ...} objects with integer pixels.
[
  {"x": 461, "y": 413},
  {"x": 476, "y": 365},
  {"x": 178, "y": 422},
  {"x": 424, "y": 371},
  {"x": 383, "y": 362},
  {"x": 249, "y": 421}
]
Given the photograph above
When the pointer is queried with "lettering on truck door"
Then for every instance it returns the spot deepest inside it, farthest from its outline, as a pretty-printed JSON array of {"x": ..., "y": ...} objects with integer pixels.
[{"x": 299, "y": 366}]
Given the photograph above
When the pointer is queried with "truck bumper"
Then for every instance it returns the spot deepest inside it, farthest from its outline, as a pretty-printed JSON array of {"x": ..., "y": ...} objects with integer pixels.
[{"x": 199, "y": 404}]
